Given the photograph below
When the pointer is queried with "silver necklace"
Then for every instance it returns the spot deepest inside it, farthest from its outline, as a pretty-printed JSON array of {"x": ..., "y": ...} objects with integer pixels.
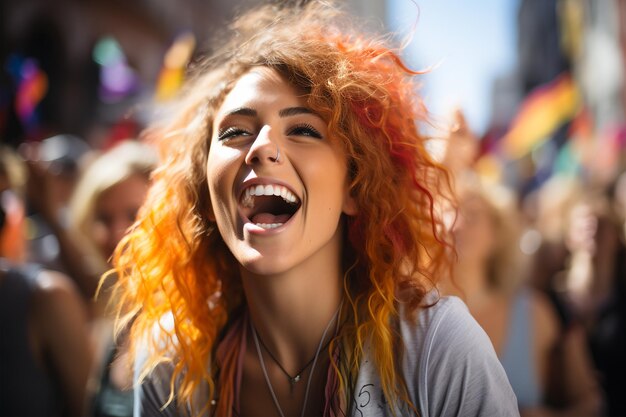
[
  {"x": 298, "y": 376},
  {"x": 308, "y": 383}
]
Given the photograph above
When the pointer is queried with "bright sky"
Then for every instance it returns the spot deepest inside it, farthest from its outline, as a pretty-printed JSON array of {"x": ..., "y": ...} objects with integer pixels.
[{"x": 467, "y": 43}]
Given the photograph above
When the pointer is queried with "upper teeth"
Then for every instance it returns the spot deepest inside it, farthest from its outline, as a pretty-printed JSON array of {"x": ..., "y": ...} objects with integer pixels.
[{"x": 259, "y": 190}]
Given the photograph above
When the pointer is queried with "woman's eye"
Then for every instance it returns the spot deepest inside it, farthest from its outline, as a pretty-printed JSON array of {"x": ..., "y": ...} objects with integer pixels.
[
  {"x": 305, "y": 130},
  {"x": 231, "y": 133}
]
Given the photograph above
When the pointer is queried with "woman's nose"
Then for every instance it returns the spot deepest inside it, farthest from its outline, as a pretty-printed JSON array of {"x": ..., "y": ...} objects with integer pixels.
[{"x": 264, "y": 149}]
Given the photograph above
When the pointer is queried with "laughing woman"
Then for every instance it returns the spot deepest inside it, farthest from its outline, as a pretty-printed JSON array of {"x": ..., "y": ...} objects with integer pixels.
[{"x": 285, "y": 261}]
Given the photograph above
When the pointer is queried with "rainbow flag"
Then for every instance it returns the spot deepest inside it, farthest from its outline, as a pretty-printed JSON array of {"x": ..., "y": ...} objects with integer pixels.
[{"x": 544, "y": 110}]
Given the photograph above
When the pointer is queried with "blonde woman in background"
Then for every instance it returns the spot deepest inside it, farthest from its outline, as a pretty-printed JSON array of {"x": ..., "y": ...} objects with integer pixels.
[
  {"x": 103, "y": 207},
  {"x": 520, "y": 322},
  {"x": 105, "y": 203}
]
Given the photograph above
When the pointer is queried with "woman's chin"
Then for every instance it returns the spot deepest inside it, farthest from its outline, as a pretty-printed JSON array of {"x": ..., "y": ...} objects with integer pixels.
[
  {"x": 259, "y": 263},
  {"x": 263, "y": 267}
]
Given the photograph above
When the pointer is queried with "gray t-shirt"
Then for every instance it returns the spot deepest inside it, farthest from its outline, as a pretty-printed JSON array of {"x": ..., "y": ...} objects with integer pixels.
[{"x": 449, "y": 365}]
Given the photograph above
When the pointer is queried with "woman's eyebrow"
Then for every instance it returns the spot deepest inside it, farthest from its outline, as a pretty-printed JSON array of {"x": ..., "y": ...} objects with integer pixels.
[
  {"x": 242, "y": 111},
  {"x": 292, "y": 111},
  {"x": 286, "y": 112}
]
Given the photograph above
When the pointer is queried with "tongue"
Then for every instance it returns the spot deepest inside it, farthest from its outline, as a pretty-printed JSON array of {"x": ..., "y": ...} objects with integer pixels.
[{"x": 269, "y": 218}]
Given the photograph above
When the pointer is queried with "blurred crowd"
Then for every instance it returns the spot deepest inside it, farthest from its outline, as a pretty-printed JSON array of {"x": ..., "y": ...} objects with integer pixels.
[
  {"x": 540, "y": 227},
  {"x": 57, "y": 339},
  {"x": 544, "y": 275}
]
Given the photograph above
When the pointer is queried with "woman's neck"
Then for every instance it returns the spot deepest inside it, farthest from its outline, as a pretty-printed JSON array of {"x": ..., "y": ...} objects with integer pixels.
[{"x": 291, "y": 310}]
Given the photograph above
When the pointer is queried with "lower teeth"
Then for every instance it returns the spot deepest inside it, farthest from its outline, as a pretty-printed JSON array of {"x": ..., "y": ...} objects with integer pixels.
[{"x": 269, "y": 226}]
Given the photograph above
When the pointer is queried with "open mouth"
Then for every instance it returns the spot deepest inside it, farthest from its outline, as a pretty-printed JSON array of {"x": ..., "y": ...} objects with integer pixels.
[{"x": 269, "y": 206}]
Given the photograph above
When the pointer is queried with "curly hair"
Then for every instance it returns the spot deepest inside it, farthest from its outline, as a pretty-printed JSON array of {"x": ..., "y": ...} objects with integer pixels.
[{"x": 174, "y": 261}]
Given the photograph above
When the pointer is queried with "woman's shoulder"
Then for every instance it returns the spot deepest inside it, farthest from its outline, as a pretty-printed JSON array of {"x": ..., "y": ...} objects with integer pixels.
[
  {"x": 450, "y": 364},
  {"x": 436, "y": 317},
  {"x": 442, "y": 327}
]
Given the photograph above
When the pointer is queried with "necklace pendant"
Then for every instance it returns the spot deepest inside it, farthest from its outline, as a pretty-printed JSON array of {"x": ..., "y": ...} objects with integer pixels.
[{"x": 292, "y": 383}]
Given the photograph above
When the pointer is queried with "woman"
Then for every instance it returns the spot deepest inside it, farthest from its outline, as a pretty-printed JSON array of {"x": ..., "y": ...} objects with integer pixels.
[
  {"x": 103, "y": 206},
  {"x": 284, "y": 261},
  {"x": 521, "y": 323}
]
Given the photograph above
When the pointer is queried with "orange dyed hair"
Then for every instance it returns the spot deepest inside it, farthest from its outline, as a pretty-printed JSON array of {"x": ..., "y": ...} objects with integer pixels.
[{"x": 175, "y": 263}]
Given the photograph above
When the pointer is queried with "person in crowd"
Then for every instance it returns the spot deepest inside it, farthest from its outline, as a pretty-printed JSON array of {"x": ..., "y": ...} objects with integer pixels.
[
  {"x": 102, "y": 208},
  {"x": 547, "y": 211},
  {"x": 45, "y": 354},
  {"x": 105, "y": 203},
  {"x": 285, "y": 261},
  {"x": 596, "y": 275},
  {"x": 54, "y": 166},
  {"x": 521, "y": 323}
]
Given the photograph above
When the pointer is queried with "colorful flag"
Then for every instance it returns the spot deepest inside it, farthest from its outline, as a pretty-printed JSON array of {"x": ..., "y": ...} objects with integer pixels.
[
  {"x": 31, "y": 90},
  {"x": 543, "y": 111}
]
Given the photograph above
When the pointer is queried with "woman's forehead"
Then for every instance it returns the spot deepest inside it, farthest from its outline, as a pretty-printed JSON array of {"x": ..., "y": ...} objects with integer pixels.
[{"x": 260, "y": 86}]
